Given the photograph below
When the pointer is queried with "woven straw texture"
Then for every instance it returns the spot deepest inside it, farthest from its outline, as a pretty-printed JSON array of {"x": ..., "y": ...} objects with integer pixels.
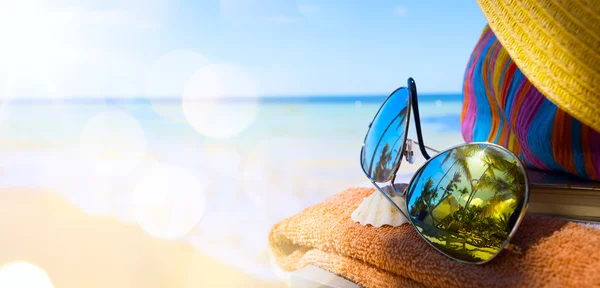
[{"x": 556, "y": 43}]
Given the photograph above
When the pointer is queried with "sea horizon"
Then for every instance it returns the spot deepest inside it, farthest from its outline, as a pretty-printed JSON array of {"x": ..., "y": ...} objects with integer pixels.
[
  {"x": 246, "y": 160},
  {"x": 266, "y": 99}
]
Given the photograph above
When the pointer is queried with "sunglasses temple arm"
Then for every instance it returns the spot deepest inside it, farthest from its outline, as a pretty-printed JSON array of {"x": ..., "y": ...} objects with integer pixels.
[
  {"x": 415, "y": 107},
  {"x": 434, "y": 150},
  {"x": 391, "y": 201}
]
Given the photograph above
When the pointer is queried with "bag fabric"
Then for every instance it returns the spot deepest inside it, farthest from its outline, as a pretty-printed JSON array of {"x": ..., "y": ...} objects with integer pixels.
[{"x": 501, "y": 106}]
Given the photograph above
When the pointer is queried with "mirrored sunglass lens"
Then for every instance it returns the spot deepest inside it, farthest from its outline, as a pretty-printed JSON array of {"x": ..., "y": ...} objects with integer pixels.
[
  {"x": 467, "y": 201},
  {"x": 383, "y": 144}
]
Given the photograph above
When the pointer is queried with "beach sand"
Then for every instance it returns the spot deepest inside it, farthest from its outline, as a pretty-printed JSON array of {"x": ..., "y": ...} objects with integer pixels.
[
  {"x": 94, "y": 158},
  {"x": 78, "y": 250}
]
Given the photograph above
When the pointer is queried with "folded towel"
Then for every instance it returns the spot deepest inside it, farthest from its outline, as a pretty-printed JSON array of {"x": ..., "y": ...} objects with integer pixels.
[{"x": 556, "y": 252}]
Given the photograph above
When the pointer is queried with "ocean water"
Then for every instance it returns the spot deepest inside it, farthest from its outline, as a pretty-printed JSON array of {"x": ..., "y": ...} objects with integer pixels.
[{"x": 217, "y": 175}]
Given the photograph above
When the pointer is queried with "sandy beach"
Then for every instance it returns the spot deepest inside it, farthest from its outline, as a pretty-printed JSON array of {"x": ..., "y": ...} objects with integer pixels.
[
  {"x": 119, "y": 181},
  {"x": 78, "y": 250}
]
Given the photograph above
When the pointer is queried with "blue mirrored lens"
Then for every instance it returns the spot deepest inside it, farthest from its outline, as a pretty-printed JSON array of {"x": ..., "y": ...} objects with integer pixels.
[{"x": 382, "y": 150}]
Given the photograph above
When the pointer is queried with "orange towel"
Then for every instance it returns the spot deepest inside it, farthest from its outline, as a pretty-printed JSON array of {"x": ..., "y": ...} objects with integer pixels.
[{"x": 556, "y": 253}]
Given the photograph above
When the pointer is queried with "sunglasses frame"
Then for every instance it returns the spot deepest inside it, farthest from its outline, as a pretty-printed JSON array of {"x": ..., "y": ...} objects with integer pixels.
[
  {"x": 412, "y": 101},
  {"x": 506, "y": 245}
]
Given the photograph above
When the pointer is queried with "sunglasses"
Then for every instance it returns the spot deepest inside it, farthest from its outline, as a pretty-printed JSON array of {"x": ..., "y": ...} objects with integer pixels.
[{"x": 466, "y": 201}]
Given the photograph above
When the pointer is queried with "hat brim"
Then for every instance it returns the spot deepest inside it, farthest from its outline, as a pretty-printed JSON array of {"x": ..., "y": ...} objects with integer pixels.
[{"x": 556, "y": 46}]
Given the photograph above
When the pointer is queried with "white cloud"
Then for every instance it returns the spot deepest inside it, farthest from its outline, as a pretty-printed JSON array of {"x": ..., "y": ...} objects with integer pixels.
[
  {"x": 504, "y": 207},
  {"x": 476, "y": 202},
  {"x": 400, "y": 11}
]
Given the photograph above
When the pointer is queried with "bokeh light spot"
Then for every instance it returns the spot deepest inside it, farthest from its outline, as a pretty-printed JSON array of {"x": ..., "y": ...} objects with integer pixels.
[
  {"x": 219, "y": 100},
  {"x": 24, "y": 275},
  {"x": 112, "y": 141},
  {"x": 168, "y": 201}
]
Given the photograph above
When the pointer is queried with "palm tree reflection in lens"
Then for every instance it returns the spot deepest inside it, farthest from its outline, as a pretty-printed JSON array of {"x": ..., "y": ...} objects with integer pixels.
[
  {"x": 382, "y": 149},
  {"x": 467, "y": 200},
  {"x": 386, "y": 163}
]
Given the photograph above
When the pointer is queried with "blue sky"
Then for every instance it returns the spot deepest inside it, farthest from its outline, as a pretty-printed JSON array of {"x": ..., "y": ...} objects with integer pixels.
[{"x": 70, "y": 48}]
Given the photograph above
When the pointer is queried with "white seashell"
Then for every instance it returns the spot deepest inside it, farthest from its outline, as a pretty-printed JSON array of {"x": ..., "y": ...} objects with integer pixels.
[{"x": 377, "y": 210}]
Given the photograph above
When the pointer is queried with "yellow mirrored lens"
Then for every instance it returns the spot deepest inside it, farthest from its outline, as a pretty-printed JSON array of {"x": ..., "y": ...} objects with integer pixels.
[{"x": 466, "y": 201}]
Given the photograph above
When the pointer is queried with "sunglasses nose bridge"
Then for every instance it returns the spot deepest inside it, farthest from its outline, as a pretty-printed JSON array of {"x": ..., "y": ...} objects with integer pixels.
[
  {"x": 409, "y": 153},
  {"x": 403, "y": 192}
]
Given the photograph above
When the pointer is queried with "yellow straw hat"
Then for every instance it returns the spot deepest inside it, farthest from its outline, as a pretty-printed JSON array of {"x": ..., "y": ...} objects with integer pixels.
[{"x": 556, "y": 44}]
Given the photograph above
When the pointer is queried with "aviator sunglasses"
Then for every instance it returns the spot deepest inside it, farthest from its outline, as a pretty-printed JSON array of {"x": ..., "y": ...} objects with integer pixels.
[{"x": 466, "y": 201}]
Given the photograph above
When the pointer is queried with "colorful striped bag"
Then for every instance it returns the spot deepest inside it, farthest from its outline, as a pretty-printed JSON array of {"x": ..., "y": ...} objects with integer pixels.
[{"x": 503, "y": 107}]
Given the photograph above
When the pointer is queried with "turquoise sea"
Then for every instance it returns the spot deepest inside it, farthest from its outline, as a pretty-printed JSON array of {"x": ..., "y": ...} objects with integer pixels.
[{"x": 217, "y": 175}]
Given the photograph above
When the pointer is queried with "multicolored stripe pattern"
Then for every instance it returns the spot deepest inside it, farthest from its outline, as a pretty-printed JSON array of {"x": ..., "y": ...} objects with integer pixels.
[{"x": 503, "y": 107}]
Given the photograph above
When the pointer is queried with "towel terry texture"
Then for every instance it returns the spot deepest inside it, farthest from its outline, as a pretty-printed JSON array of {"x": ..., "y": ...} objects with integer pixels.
[{"x": 556, "y": 253}]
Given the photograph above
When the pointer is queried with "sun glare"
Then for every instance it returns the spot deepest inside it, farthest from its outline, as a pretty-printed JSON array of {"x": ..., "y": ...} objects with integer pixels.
[
  {"x": 477, "y": 165},
  {"x": 23, "y": 29},
  {"x": 33, "y": 38},
  {"x": 24, "y": 275}
]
